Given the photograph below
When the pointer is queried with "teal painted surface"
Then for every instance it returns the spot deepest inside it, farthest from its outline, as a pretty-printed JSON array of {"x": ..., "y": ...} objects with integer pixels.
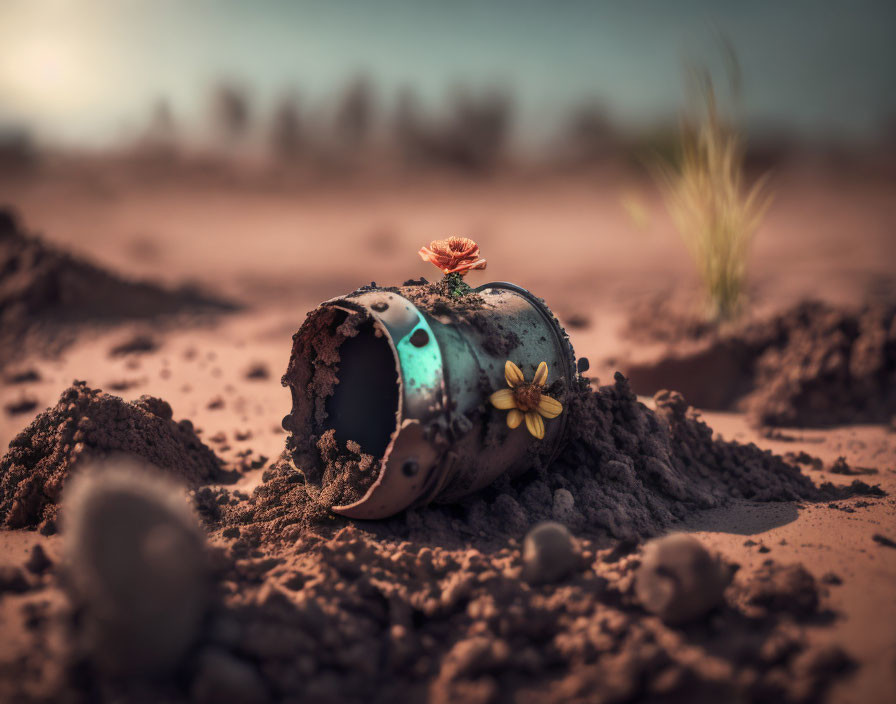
[{"x": 421, "y": 367}]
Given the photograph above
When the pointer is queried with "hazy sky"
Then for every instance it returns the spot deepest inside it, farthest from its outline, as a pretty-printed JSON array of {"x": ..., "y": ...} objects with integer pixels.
[{"x": 90, "y": 69}]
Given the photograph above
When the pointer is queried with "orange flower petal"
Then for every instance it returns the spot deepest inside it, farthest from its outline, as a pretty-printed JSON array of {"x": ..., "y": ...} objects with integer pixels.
[
  {"x": 549, "y": 407},
  {"x": 503, "y": 399},
  {"x": 453, "y": 255},
  {"x": 514, "y": 418},
  {"x": 535, "y": 424},
  {"x": 513, "y": 374},
  {"x": 464, "y": 267}
]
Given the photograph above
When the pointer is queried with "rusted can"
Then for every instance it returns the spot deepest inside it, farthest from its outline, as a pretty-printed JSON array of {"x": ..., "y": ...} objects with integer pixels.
[{"x": 404, "y": 378}]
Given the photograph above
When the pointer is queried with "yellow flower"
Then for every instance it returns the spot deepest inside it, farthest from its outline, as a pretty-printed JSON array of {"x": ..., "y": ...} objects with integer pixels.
[{"x": 525, "y": 399}]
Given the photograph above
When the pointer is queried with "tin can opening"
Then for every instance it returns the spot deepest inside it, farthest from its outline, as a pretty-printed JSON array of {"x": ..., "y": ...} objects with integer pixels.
[
  {"x": 343, "y": 375},
  {"x": 365, "y": 400}
]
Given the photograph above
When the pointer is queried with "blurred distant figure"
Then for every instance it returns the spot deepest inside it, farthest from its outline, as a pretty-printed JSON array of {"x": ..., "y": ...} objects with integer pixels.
[
  {"x": 287, "y": 133},
  {"x": 231, "y": 111},
  {"x": 407, "y": 125},
  {"x": 160, "y": 140},
  {"x": 473, "y": 136},
  {"x": 355, "y": 114},
  {"x": 590, "y": 135},
  {"x": 17, "y": 149}
]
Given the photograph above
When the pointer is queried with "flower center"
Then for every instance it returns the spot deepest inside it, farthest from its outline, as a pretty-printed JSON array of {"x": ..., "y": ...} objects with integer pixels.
[{"x": 527, "y": 396}]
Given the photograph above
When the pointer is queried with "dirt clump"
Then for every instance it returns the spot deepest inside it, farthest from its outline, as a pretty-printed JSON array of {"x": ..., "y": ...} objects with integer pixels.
[
  {"x": 788, "y": 589},
  {"x": 348, "y": 472},
  {"x": 22, "y": 405},
  {"x": 46, "y": 294},
  {"x": 841, "y": 466},
  {"x": 136, "y": 344},
  {"x": 88, "y": 423},
  {"x": 258, "y": 371},
  {"x": 22, "y": 376},
  {"x": 883, "y": 540},
  {"x": 38, "y": 562},
  {"x": 13, "y": 580},
  {"x": 804, "y": 459},
  {"x": 811, "y": 365}
]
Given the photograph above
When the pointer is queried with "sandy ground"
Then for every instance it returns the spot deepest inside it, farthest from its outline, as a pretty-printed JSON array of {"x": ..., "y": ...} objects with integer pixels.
[{"x": 571, "y": 241}]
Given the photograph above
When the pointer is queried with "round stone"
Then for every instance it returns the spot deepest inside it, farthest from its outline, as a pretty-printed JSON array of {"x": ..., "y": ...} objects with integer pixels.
[
  {"x": 679, "y": 580},
  {"x": 550, "y": 553}
]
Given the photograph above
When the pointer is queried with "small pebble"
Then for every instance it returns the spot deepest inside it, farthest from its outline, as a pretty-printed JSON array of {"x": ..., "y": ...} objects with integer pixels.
[
  {"x": 549, "y": 553},
  {"x": 224, "y": 679},
  {"x": 38, "y": 562},
  {"x": 12, "y": 580},
  {"x": 883, "y": 540},
  {"x": 563, "y": 509},
  {"x": 831, "y": 578},
  {"x": 258, "y": 371},
  {"x": 679, "y": 580}
]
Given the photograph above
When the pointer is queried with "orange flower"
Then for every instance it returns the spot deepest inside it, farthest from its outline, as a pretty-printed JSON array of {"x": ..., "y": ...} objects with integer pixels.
[{"x": 456, "y": 255}]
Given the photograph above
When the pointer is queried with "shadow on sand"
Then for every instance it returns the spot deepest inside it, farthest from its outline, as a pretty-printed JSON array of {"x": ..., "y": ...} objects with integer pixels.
[{"x": 743, "y": 518}]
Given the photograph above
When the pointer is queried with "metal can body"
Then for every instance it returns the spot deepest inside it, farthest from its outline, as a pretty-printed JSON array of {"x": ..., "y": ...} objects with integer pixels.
[{"x": 445, "y": 441}]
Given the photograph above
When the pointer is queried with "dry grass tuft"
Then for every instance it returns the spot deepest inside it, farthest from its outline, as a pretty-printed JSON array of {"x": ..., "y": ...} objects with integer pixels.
[{"x": 712, "y": 209}]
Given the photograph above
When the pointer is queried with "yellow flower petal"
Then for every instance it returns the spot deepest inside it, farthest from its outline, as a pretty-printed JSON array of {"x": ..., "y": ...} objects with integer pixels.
[
  {"x": 549, "y": 407},
  {"x": 513, "y": 374},
  {"x": 514, "y": 418},
  {"x": 503, "y": 399},
  {"x": 535, "y": 424},
  {"x": 541, "y": 374}
]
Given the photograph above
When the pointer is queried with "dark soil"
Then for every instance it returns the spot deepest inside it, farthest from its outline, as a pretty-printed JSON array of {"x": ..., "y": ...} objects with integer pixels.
[
  {"x": 137, "y": 344},
  {"x": 841, "y": 466},
  {"x": 90, "y": 424},
  {"x": 20, "y": 406},
  {"x": 433, "y": 604},
  {"x": 348, "y": 473},
  {"x": 46, "y": 293},
  {"x": 883, "y": 540},
  {"x": 627, "y": 472},
  {"x": 22, "y": 376},
  {"x": 812, "y": 365},
  {"x": 258, "y": 371}
]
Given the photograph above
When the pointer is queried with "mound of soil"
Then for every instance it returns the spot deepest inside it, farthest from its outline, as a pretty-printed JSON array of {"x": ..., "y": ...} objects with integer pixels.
[
  {"x": 44, "y": 292},
  {"x": 436, "y": 605},
  {"x": 812, "y": 365},
  {"x": 353, "y": 618},
  {"x": 627, "y": 472},
  {"x": 87, "y": 423}
]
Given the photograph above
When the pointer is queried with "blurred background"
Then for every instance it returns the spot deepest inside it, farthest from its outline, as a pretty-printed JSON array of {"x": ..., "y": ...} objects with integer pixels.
[{"x": 288, "y": 151}]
